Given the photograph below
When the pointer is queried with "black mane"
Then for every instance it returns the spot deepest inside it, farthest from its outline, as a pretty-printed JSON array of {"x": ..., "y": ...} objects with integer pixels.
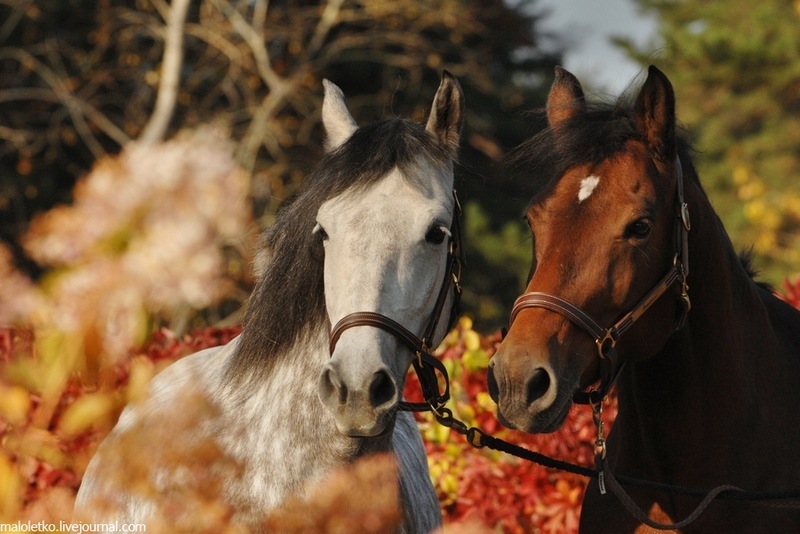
[{"x": 289, "y": 297}]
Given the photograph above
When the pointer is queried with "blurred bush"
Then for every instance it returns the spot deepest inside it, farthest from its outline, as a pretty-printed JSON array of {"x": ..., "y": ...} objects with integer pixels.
[{"x": 158, "y": 231}]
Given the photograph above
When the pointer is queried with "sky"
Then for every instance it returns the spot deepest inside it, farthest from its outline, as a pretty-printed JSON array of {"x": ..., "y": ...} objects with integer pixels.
[{"x": 586, "y": 26}]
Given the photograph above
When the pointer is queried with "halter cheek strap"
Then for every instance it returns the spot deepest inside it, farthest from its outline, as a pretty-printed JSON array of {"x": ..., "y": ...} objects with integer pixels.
[
  {"x": 425, "y": 364},
  {"x": 606, "y": 338}
]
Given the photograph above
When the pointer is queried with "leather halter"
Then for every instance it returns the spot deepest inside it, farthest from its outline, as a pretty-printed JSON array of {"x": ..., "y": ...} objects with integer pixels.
[
  {"x": 606, "y": 338},
  {"x": 424, "y": 364}
]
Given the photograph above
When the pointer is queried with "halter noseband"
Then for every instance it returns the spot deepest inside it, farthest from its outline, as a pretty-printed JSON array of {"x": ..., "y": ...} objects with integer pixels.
[
  {"x": 424, "y": 364},
  {"x": 606, "y": 338}
]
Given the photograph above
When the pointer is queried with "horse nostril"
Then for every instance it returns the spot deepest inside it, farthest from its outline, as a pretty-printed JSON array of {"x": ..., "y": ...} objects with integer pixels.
[
  {"x": 538, "y": 385},
  {"x": 491, "y": 383},
  {"x": 330, "y": 385},
  {"x": 381, "y": 389}
]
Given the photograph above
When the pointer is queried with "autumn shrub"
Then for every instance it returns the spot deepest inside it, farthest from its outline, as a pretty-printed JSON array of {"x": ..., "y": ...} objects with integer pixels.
[
  {"x": 488, "y": 490},
  {"x": 155, "y": 232},
  {"x": 480, "y": 487}
]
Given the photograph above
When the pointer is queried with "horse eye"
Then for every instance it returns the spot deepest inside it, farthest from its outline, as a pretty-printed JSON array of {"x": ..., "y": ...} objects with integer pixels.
[
  {"x": 528, "y": 222},
  {"x": 436, "y": 235},
  {"x": 639, "y": 229},
  {"x": 320, "y": 231}
]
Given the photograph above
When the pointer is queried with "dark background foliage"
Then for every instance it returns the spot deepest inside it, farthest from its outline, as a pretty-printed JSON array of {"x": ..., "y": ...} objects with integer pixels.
[{"x": 80, "y": 79}]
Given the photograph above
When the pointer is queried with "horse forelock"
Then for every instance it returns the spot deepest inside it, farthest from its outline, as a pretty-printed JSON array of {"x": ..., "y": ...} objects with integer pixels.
[
  {"x": 288, "y": 301},
  {"x": 601, "y": 132}
]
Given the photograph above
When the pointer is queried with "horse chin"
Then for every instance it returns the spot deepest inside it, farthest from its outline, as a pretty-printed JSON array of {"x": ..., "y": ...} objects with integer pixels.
[
  {"x": 548, "y": 422},
  {"x": 544, "y": 422},
  {"x": 370, "y": 427}
]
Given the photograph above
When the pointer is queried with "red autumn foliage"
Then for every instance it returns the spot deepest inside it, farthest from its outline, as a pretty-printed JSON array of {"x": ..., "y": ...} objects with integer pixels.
[
  {"x": 478, "y": 486},
  {"x": 791, "y": 291},
  {"x": 498, "y": 490},
  {"x": 40, "y": 476}
]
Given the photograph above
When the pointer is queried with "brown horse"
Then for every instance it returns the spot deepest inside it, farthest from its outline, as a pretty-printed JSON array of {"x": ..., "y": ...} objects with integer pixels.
[{"x": 708, "y": 395}]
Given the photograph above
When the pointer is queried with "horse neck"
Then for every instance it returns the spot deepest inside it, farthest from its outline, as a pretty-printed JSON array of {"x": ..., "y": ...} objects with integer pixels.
[
  {"x": 716, "y": 376},
  {"x": 729, "y": 312},
  {"x": 286, "y": 425}
]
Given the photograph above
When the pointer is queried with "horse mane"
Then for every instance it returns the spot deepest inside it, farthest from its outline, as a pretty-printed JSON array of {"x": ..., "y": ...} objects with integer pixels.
[
  {"x": 591, "y": 137},
  {"x": 288, "y": 300},
  {"x": 747, "y": 260}
]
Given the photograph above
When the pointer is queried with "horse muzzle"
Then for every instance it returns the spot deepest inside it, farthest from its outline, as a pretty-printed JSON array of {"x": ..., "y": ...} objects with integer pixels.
[
  {"x": 362, "y": 403},
  {"x": 527, "y": 393}
]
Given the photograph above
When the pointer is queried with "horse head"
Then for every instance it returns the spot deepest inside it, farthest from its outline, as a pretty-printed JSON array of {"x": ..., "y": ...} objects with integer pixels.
[
  {"x": 606, "y": 246},
  {"x": 386, "y": 249}
]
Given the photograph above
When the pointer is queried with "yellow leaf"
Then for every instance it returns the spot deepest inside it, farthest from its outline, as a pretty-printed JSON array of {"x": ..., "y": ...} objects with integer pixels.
[
  {"x": 472, "y": 341},
  {"x": 485, "y": 402},
  {"x": 440, "y": 434},
  {"x": 36, "y": 443},
  {"x": 740, "y": 175},
  {"x": 142, "y": 371},
  {"x": 87, "y": 412},
  {"x": 475, "y": 360},
  {"x": 10, "y": 485},
  {"x": 15, "y": 403},
  {"x": 449, "y": 484},
  {"x": 465, "y": 413}
]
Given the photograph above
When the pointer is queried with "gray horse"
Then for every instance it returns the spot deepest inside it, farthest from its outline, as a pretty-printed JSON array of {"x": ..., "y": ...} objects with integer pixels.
[{"x": 368, "y": 233}]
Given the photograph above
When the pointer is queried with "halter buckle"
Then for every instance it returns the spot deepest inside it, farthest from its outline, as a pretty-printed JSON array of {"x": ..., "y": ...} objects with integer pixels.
[
  {"x": 423, "y": 347},
  {"x": 687, "y": 222},
  {"x": 606, "y": 343},
  {"x": 456, "y": 273}
]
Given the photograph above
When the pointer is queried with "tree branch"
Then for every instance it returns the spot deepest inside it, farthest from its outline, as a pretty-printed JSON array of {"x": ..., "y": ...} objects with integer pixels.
[
  {"x": 13, "y": 19},
  {"x": 78, "y": 109},
  {"x": 169, "y": 84},
  {"x": 254, "y": 41}
]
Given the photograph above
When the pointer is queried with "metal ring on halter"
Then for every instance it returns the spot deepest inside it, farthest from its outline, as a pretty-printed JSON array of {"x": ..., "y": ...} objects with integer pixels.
[
  {"x": 602, "y": 347},
  {"x": 475, "y": 437}
]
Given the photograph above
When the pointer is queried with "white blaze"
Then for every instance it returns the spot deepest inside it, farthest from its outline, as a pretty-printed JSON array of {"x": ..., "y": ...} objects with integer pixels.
[{"x": 588, "y": 186}]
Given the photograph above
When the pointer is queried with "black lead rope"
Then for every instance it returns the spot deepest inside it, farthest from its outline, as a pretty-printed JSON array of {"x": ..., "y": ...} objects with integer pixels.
[
  {"x": 427, "y": 366},
  {"x": 478, "y": 439}
]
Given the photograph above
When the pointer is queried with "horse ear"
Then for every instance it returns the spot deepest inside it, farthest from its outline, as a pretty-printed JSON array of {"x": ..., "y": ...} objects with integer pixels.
[
  {"x": 447, "y": 112},
  {"x": 655, "y": 114},
  {"x": 566, "y": 99},
  {"x": 339, "y": 123}
]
